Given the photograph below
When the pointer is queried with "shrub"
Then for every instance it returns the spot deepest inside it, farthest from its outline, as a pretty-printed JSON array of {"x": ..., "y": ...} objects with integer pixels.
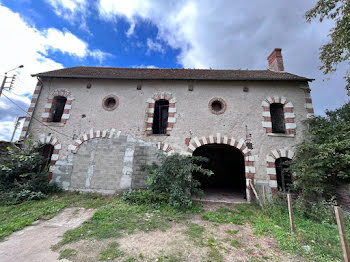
[
  {"x": 173, "y": 178},
  {"x": 323, "y": 161},
  {"x": 144, "y": 196},
  {"x": 23, "y": 175}
]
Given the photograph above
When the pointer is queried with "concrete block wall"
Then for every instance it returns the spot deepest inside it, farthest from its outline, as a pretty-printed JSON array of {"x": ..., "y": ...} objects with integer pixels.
[{"x": 106, "y": 165}]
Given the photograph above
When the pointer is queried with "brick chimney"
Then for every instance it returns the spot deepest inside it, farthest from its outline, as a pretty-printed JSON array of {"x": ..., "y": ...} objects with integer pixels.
[{"x": 276, "y": 60}]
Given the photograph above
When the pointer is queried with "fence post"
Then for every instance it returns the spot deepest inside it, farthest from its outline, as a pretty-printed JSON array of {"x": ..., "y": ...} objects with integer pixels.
[
  {"x": 344, "y": 242},
  {"x": 290, "y": 209}
]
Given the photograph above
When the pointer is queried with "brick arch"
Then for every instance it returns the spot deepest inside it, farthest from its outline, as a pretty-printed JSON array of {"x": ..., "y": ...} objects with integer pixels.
[
  {"x": 289, "y": 116},
  {"x": 150, "y": 110},
  {"x": 68, "y": 106},
  {"x": 239, "y": 144},
  {"x": 271, "y": 167},
  {"x": 107, "y": 133},
  {"x": 51, "y": 140}
]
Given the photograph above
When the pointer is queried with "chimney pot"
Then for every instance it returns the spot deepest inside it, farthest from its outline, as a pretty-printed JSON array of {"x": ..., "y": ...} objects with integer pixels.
[{"x": 276, "y": 60}]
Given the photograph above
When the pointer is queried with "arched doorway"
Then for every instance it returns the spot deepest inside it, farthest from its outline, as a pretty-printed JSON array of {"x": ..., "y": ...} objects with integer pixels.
[
  {"x": 228, "y": 183},
  {"x": 46, "y": 151}
]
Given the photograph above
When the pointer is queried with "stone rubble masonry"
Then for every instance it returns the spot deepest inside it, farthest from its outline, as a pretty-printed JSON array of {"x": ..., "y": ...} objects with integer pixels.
[
  {"x": 107, "y": 164},
  {"x": 289, "y": 116},
  {"x": 271, "y": 167},
  {"x": 150, "y": 110},
  {"x": 46, "y": 116}
]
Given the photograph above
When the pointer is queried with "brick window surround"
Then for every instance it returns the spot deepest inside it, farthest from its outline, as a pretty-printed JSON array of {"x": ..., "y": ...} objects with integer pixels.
[
  {"x": 150, "y": 110},
  {"x": 108, "y": 133},
  {"x": 51, "y": 140},
  {"x": 223, "y": 104},
  {"x": 105, "y": 107},
  {"x": 289, "y": 116},
  {"x": 271, "y": 167},
  {"x": 48, "y": 107},
  {"x": 249, "y": 160}
]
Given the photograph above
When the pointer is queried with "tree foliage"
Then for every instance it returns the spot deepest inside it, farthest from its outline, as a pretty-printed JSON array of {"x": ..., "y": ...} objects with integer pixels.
[
  {"x": 338, "y": 49},
  {"x": 173, "y": 178},
  {"x": 323, "y": 159},
  {"x": 23, "y": 175}
]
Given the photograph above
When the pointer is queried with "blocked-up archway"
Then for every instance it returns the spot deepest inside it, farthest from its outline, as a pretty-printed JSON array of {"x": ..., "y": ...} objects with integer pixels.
[{"x": 227, "y": 163}]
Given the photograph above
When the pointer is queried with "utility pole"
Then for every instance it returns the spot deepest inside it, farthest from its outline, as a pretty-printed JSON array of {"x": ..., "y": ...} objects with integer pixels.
[
  {"x": 5, "y": 78},
  {"x": 16, "y": 126}
]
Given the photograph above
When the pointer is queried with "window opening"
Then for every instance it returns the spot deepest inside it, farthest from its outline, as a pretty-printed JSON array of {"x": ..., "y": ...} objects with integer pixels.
[
  {"x": 217, "y": 106},
  {"x": 58, "y": 104},
  {"x": 46, "y": 151},
  {"x": 110, "y": 102},
  {"x": 160, "y": 117},
  {"x": 284, "y": 176},
  {"x": 277, "y": 118}
]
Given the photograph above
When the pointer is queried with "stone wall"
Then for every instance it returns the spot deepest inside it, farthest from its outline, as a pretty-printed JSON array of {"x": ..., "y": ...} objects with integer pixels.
[{"x": 106, "y": 165}]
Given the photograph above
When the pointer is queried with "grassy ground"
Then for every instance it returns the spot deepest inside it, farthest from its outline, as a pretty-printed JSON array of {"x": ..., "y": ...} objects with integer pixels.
[
  {"x": 114, "y": 219},
  {"x": 16, "y": 217}
]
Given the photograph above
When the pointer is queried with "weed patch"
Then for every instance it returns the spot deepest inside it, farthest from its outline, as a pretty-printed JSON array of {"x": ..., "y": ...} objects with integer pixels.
[
  {"x": 112, "y": 252},
  {"x": 195, "y": 231},
  {"x": 67, "y": 253}
]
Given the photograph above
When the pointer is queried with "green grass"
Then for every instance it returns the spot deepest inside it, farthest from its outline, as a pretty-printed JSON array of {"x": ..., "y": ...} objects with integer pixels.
[
  {"x": 322, "y": 238},
  {"x": 118, "y": 217},
  {"x": 194, "y": 231},
  {"x": 16, "y": 217},
  {"x": 235, "y": 243},
  {"x": 111, "y": 252},
  {"x": 67, "y": 253}
]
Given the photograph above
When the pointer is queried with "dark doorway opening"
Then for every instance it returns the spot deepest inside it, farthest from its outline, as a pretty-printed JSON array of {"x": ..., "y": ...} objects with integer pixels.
[
  {"x": 58, "y": 104},
  {"x": 227, "y": 163},
  {"x": 160, "y": 117},
  {"x": 46, "y": 151},
  {"x": 284, "y": 175},
  {"x": 277, "y": 118}
]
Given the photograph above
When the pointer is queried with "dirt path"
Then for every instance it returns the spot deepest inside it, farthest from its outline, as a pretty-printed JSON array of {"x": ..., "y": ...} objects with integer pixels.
[{"x": 33, "y": 243}]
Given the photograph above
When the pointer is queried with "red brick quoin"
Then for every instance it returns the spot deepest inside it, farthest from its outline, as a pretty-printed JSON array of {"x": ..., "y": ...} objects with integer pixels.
[
  {"x": 150, "y": 110},
  {"x": 289, "y": 116}
]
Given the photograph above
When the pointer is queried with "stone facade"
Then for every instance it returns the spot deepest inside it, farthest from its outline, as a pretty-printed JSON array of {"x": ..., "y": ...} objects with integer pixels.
[{"x": 102, "y": 150}]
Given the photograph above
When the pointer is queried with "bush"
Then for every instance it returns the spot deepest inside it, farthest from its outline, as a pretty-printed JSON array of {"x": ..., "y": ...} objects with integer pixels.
[
  {"x": 23, "y": 175},
  {"x": 173, "y": 179},
  {"x": 144, "y": 196},
  {"x": 323, "y": 161}
]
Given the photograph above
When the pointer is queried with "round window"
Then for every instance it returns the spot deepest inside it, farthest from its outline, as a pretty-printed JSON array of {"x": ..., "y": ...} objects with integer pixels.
[
  {"x": 217, "y": 105},
  {"x": 110, "y": 102}
]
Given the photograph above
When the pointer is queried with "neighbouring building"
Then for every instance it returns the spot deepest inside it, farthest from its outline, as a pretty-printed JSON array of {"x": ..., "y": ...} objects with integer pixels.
[{"x": 101, "y": 124}]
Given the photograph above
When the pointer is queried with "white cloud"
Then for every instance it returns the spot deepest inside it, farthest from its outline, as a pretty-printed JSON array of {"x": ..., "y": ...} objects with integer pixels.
[
  {"x": 29, "y": 46},
  {"x": 74, "y": 11},
  {"x": 234, "y": 34},
  {"x": 154, "y": 46},
  {"x": 145, "y": 66}
]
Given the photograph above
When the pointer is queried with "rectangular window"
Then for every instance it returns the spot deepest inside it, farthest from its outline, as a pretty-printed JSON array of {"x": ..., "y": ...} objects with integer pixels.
[
  {"x": 57, "y": 108},
  {"x": 277, "y": 118},
  {"x": 160, "y": 117}
]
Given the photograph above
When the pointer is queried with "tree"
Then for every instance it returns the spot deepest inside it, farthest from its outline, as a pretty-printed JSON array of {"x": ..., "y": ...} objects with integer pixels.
[
  {"x": 323, "y": 159},
  {"x": 338, "y": 50}
]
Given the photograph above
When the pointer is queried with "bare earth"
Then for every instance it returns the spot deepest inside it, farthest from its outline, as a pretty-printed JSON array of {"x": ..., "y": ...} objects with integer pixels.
[{"x": 33, "y": 243}]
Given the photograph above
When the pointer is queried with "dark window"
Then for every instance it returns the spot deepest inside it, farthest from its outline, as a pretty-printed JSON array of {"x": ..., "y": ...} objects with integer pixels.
[
  {"x": 46, "y": 151},
  {"x": 277, "y": 118},
  {"x": 160, "y": 117},
  {"x": 284, "y": 176},
  {"x": 58, "y": 104}
]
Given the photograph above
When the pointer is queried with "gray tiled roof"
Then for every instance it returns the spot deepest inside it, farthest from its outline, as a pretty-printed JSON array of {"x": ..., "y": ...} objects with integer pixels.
[{"x": 171, "y": 74}]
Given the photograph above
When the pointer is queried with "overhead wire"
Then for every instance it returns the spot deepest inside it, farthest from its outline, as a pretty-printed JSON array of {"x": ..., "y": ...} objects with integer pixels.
[{"x": 25, "y": 111}]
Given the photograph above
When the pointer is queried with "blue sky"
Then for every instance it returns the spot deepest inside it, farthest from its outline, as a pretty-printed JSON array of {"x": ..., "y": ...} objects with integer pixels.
[{"x": 50, "y": 34}]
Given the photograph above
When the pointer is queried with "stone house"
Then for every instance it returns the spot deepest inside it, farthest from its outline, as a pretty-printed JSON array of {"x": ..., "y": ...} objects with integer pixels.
[{"x": 101, "y": 124}]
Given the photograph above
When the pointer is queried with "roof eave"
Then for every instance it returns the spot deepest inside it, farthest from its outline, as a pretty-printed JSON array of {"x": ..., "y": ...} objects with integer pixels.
[{"x": 177, "y": 79}]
